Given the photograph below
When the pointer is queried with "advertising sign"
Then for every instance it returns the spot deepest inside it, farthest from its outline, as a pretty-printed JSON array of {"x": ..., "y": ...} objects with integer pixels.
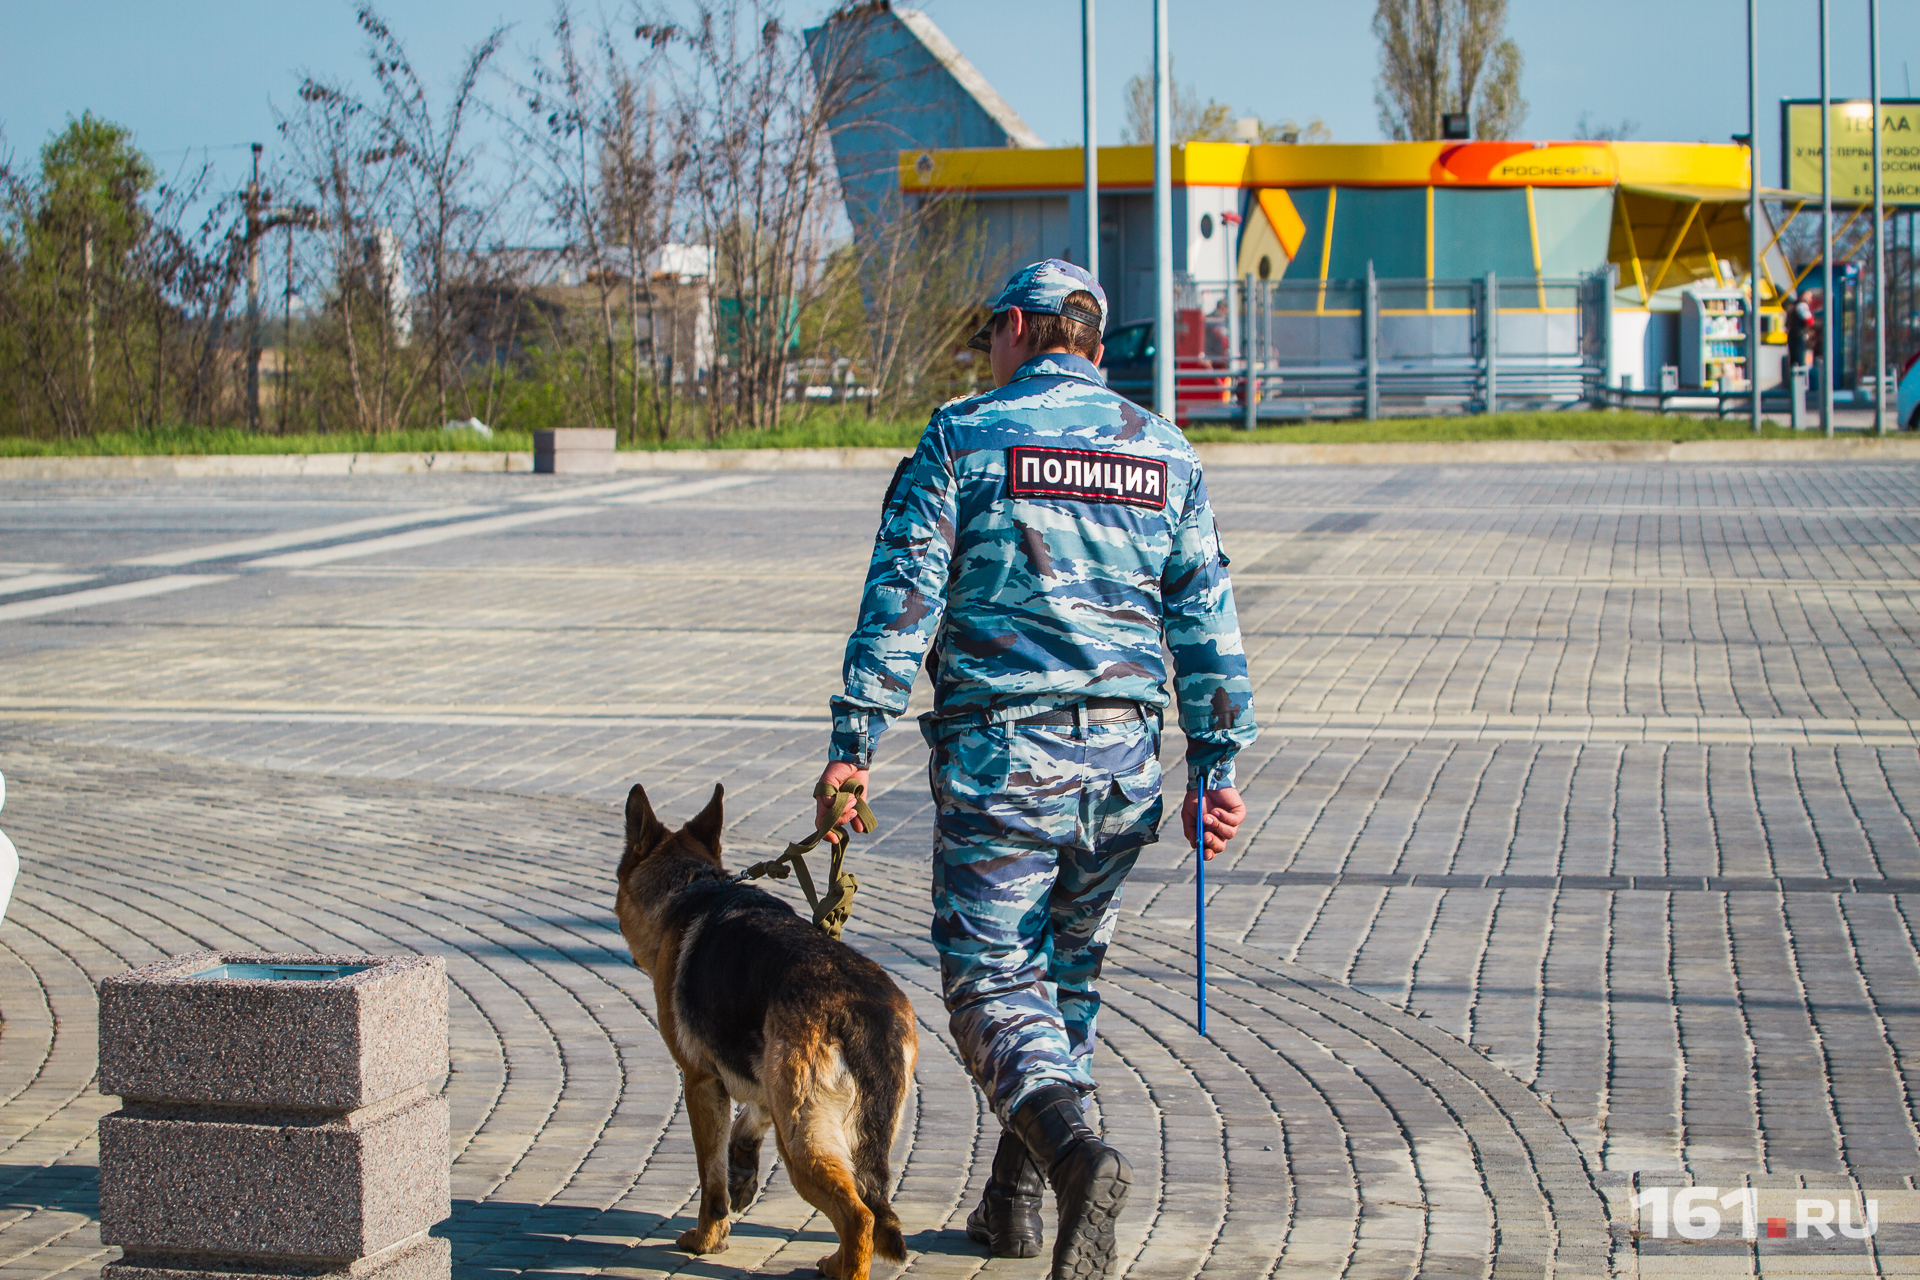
[
  {"x": 1530, "y": 164},
  {"x": 1852, "y": 132}
]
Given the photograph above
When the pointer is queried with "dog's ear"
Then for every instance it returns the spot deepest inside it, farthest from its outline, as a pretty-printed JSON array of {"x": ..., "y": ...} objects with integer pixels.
[
  {"x": 705, "y": 828},
  {"x": 644, "y": 831}
]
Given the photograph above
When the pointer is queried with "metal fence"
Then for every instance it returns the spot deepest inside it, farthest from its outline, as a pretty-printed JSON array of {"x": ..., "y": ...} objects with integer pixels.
[{"x": 1256, "y": 350}]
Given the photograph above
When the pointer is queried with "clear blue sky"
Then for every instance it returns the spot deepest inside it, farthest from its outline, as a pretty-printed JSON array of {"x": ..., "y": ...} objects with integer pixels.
[{"x": 208, "y": 74}]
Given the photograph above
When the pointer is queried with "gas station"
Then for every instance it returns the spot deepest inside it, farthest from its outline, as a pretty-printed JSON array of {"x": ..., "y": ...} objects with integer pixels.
[
  {"x": 1594, "y": 248},
  {"x": 1333, "y": 280}
]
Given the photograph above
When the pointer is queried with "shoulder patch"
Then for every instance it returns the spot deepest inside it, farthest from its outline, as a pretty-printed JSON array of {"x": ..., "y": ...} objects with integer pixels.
[{"x": 1086, "y": 476}]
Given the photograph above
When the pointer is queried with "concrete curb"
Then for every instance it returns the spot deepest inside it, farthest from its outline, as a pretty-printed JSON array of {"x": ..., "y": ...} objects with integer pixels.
[
  {"x": 757, "y": 459},
  {"x": 1442, "y": 453},
  {"x": 259, "y": 464}
]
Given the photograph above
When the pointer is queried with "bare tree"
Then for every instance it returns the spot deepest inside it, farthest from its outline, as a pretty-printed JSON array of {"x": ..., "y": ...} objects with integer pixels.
[
  {"x": 921, "y": 272},
  {"x": 1587, "y": 130},
  {"x": 119, "y": 297},
  {"x": 448, "y": 215},
  {"x": 593, "y": 123},
  {"x": 630, "y": 200},
  {"x": 341, "y": 152},
  {"x": 750, "y": 143},
  {"x": 1214, "y": 122},
  {"x": 1445, "y": 56},
  {"x": 190, "y": 275}
]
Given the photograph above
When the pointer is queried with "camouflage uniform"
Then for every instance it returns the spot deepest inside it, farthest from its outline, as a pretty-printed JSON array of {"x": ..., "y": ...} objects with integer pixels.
[{"x": 1039, "y": 542}]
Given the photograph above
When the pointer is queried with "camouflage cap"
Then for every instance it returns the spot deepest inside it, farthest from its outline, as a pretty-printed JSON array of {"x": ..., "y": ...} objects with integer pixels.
[{"x": 1044, "y": 286}]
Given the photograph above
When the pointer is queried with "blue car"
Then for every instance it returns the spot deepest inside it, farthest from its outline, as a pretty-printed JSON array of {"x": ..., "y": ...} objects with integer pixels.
[{"x": 1908, "y": 400}]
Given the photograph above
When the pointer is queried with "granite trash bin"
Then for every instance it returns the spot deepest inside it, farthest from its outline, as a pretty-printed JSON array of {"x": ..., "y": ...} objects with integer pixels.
[
  {"x": 574, "y": 451},
  {"x": 281, "y": 1115},
  {"x": 9, "y": 858}
]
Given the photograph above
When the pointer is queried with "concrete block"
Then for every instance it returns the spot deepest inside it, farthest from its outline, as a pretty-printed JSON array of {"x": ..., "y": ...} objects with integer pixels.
[
  {"x": 282, "y": 1117},
  {"x": 9, "y": 858},
  {"x": 424, "y": 1259},
  {"x": 166, "y": 1034},
  {"x": 574, "y": 451},
  {"x": 322, "y": 1185}
]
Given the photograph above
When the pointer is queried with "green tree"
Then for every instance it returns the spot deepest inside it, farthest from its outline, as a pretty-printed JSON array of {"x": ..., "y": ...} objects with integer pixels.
[
  {"x": 73, "y": 235},
  {"x": 1443, "y": 56}
]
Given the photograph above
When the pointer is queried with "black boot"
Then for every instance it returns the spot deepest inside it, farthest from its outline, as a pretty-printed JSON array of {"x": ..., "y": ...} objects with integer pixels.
[
  {"x": 1090, "y": 1181},
  {"x": 1007, "y": 1219}
]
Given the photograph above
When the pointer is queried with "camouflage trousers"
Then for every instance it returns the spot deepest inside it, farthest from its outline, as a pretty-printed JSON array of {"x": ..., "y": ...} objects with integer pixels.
[{"x": 1036, "y": 831}]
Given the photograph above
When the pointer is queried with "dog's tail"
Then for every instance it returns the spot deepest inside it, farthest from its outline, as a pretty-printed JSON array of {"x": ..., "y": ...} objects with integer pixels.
[{"x": 884, "y": 1074}]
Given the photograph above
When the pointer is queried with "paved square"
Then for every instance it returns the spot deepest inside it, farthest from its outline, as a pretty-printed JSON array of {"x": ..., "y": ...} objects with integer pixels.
[{"x": 1582, "y": 861}]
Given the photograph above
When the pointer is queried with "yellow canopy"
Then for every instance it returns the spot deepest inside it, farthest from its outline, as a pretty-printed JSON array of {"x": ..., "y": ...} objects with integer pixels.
[{"x": 1669, "y": 235}]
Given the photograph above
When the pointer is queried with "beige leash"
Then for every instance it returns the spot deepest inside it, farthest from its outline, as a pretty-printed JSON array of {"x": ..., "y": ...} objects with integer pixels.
[{"x": 830, "y": 912}]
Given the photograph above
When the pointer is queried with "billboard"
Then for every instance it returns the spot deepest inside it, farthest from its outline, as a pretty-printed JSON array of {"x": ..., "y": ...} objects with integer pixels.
[{"x": 1851, "y": 128}]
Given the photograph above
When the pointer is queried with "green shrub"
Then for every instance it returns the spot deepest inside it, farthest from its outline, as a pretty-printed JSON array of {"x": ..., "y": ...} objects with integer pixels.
[{"x": 209, "y": 440}]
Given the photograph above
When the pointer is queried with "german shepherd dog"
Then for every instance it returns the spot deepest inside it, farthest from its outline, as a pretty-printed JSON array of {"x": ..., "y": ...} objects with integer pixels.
[{"x": 759, "y": 1006}]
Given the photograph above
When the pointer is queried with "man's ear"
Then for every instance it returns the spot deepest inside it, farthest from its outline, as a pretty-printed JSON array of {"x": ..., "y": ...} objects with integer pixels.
[{"x": 706, "y": 827}]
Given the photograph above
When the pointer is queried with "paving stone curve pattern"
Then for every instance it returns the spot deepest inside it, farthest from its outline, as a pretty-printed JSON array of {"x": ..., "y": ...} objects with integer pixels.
[{"x": 1581, "y": 857}]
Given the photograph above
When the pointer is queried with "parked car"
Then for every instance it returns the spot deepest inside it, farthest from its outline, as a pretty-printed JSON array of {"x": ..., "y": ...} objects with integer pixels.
[
  {"x": 1200, "y": 348},
  {"x": 1908, "y": 397},
  {"x": 1128, "y": 361}
]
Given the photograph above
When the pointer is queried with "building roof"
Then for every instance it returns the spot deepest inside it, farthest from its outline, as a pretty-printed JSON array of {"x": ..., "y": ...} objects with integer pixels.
[
  {"x": 1719, "y": 166},
  {"x": 968, "y": 77}
]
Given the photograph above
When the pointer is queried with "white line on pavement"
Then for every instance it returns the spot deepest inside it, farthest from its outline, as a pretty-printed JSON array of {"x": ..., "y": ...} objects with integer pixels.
[
  {"x": 813, "y": 724},
  {"x": 1488, "y": 727},
  {"x": 108, "y": 595},
  {"x": 41, "y": 581},
  {"x": 417, "y": 538},
  {"x": 1449, "y": 577},
  {"x": 688, "y": 490},
  {"x": 300, "y": 537},
  {"x": 594, "y": 490}
]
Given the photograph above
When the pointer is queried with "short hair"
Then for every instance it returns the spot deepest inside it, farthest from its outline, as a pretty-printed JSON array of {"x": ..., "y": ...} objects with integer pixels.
[{"x": 1047, "y": 331}]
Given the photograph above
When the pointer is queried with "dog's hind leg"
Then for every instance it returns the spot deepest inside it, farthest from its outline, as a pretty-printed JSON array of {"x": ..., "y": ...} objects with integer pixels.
[
  {"x": 883, "y": 1098},
  {"x": 824, "y": 1179},
  {"x": 707, "y": 1108},
  {"x": 813, "y": 1101},
  {"x": 743, "y": 1154}
]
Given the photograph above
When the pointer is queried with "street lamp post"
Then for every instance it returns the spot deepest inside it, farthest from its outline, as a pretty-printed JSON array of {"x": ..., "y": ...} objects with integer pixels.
[
  {"x": 1879, "y": 229},
  {"x": 1753, "y": 209},
  {"x": 1827, "y": 309},
  {"x": 1090, "y": 154},
  {"x": 1163, "y": 387}
]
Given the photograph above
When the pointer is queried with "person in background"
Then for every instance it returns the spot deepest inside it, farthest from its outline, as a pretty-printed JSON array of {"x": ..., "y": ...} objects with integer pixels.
[{"x": 1799, "y": 321}]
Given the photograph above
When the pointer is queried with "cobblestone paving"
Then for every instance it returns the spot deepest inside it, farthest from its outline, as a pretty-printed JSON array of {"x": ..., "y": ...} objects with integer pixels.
[{"x": 1582, "y": 859}]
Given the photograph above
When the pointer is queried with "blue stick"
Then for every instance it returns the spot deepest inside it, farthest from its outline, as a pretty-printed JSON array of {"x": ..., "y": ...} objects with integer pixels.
[{"x": 1200, "y": 896}]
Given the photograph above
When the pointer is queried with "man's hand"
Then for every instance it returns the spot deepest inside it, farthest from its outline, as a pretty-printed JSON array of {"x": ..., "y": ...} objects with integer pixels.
[
  {"x": 1225, "y": 812},
  {"x": 837, "y": 772}
]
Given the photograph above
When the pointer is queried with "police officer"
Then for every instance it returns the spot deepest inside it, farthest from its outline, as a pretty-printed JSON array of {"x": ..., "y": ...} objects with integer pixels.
[{"x": 1037, "y": 547}]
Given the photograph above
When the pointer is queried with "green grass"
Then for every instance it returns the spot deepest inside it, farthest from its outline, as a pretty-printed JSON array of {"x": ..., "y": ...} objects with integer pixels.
[
  {"x": 839, "y": 430},
  {"x": 198, "y": 440}
]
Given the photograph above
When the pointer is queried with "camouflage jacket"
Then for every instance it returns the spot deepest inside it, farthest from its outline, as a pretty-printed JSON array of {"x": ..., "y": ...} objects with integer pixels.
[{"x": 1041, "y": 539}]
